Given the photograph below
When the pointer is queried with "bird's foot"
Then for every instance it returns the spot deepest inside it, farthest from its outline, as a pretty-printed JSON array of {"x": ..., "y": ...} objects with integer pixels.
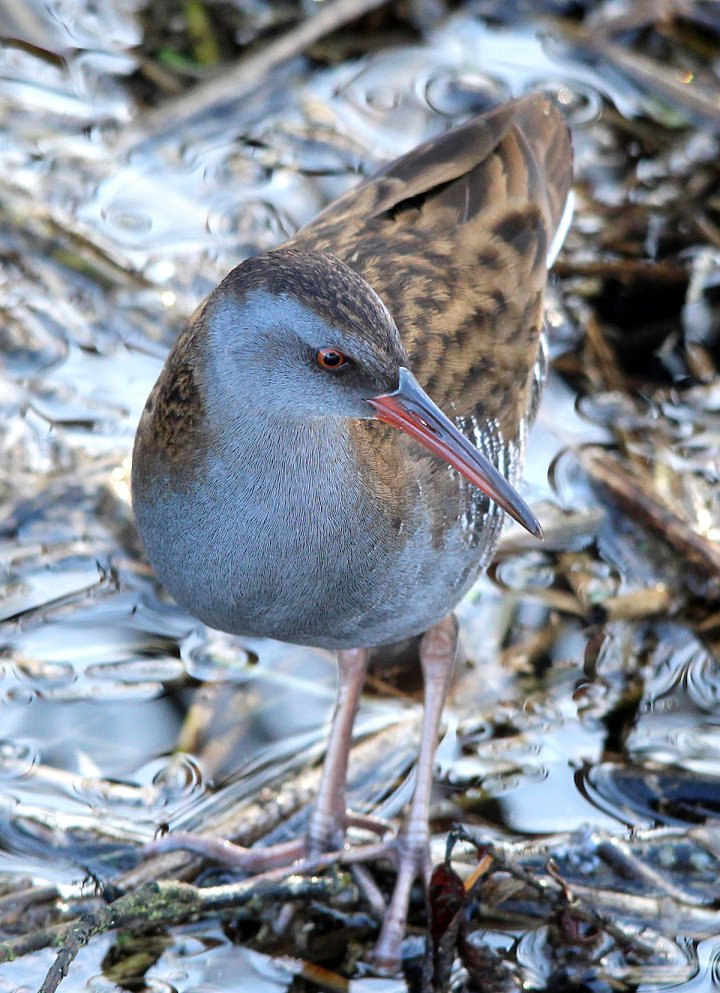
[
  {"x": 409, "y": 852},
  {"x": 314, "y": 848},
  {"x": 326, "y": 835},
  {"x": 293, "y": 857},
  {"x": 250, "y": 860}
]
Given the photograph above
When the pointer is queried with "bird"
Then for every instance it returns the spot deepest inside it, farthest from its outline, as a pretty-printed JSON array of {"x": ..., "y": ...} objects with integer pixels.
[{"x": 332, "y": 445}]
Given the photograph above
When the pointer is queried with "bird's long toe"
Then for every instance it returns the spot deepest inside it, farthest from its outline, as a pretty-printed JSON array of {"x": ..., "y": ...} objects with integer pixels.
[{"x": 250, "y": 860}]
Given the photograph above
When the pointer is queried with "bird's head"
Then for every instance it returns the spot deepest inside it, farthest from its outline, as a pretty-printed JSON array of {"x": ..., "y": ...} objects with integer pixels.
[{"x": 300, "y": 335}]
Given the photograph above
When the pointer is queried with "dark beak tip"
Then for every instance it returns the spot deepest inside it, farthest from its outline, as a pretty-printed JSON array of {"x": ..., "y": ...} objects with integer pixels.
[{"x": 529, "y": 521}]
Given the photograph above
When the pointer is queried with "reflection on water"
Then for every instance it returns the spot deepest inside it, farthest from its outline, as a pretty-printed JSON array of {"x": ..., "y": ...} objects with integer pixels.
[{"x": 119, "y": 713}]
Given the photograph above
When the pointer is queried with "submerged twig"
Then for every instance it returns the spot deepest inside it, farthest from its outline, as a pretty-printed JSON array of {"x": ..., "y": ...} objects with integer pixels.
[
  {"x": 616, "y": 853},
  {"x": 653, "y": 76},
  {"x": 651, "y": 602},
  {"x": 18, "y": 902},
  {"x": 165, "y": 903},
  {"x": 248, "y": 72},
  {"x": 561, "y": 896},
  {"x": 636, "y": 498}
]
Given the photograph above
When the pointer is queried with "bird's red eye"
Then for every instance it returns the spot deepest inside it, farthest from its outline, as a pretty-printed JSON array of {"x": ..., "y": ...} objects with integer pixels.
[{"x": 330, "y": 358}]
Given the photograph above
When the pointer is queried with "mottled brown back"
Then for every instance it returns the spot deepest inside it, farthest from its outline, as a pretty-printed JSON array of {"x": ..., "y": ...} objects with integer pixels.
[{"x": 454, "y": 239}]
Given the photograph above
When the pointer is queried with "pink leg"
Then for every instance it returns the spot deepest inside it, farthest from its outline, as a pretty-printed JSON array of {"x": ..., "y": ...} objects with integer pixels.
[
  {"x": 326, "y": 832},
  {"x": 437, "y": 654},
  {"x": 329, "y": 818}
]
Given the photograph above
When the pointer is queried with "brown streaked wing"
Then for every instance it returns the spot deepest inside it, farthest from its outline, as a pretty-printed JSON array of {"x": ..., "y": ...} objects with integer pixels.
[{"x": 454, "y": 237}]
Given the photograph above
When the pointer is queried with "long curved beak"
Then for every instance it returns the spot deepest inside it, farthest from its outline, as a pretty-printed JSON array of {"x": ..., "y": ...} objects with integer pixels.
[{"x": 410, "y": 409}]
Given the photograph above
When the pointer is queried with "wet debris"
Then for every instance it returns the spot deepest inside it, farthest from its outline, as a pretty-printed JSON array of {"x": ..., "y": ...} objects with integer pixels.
[{"x": 145, "y": 153}]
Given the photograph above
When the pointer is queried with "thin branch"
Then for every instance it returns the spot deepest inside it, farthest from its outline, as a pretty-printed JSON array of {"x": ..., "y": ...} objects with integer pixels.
[
  {"x": 249, "y": 72},
  {"x": 159, "y": 904}
]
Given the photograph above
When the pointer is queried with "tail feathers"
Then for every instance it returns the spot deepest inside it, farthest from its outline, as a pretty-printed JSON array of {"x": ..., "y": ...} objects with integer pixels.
[{"x": 519, "y": 152}]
